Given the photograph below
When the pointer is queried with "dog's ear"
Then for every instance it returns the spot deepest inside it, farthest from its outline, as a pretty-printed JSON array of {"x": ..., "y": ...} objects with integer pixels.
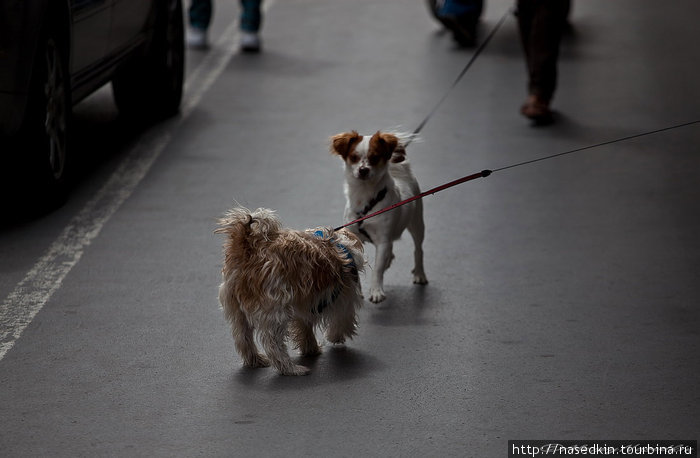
[
  {"x": 385, "y": 144},
  {"x": 342, "y": 144}
]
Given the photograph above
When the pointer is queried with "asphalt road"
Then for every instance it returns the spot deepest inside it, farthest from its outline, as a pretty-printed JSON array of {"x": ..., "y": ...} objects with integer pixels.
[{"x": 564, "y": 295}]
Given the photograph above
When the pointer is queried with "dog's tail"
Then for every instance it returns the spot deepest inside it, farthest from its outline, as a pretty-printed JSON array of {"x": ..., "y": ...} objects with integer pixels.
[
  {"x": 246, "y": 230},
  {"x": 405, "y": 139}
]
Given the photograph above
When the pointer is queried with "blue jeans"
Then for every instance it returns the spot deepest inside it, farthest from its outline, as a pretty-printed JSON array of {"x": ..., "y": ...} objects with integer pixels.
[
  {"x": 200, "y": 13},
  {"x": 251, "y": 17}
]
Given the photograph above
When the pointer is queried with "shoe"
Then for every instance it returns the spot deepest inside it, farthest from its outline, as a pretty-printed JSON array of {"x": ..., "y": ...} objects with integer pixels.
[
  {"x": 197, "y": 38},
  {"x": 250, "y": 42},
  {"x": 537, "y": 109}
]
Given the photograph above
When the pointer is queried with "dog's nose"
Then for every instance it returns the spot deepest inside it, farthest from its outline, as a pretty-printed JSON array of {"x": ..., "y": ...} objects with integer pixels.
[{"x": 363, "y": 172}]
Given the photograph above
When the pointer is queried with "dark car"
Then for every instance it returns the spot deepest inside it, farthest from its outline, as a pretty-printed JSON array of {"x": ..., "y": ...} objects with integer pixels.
[{"x": 54, "y": 53}]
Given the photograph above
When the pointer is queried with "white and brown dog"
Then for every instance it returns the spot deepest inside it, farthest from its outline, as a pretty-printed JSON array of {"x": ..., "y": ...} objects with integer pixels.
[
  {"x": 378, "y": 175},
  {"x": 283, "y": 283}
]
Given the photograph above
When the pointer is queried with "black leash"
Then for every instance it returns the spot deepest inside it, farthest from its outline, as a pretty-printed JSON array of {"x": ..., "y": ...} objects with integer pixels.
[
  {"x": 617, "y": 140},
  {"x": 485, "y": 173},
  {"x": 471, "y": 61}
]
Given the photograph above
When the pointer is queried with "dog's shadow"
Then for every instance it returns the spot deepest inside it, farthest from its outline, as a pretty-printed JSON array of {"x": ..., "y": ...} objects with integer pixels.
[{"x": 337, "y": 363}]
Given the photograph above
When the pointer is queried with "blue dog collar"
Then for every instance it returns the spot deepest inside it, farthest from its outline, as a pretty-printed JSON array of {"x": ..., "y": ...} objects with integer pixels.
[{"x": 342, "y": 247}]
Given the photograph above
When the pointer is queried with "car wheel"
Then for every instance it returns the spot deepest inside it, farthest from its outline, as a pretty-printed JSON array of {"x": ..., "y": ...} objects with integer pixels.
[
  {"x": 43, "y": 143},
  {"x": 57, "y": 110},
  {"x": 150, "y": 86}
]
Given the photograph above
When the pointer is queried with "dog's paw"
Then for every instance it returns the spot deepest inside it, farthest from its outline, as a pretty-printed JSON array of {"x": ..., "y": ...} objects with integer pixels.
[
  {"x": 419, "y": 278},
  {"x": 257, "y": 360},
  {"x": 295, "y": 370},
  {"x": 376, "y": 295}
]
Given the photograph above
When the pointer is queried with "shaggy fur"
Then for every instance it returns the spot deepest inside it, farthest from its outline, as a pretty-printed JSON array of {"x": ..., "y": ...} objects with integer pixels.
[
  {"x": 284, "y": 283},
  {"x": 378, "y": 175}
]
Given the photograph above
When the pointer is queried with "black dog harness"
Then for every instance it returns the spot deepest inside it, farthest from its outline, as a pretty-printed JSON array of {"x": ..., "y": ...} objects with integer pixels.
[{"x": 372, "y": 203}]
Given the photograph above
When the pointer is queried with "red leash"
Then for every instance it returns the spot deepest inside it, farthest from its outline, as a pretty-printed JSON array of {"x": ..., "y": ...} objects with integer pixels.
[
  {"x": 485, "y": 173},
  {"x": 482, "y": 174}
]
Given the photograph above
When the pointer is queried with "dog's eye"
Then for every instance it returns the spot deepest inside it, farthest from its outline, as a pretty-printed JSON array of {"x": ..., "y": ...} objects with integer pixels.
[
  {"x": 374, "y": 159},
  {"x": 354, "y": 158}
]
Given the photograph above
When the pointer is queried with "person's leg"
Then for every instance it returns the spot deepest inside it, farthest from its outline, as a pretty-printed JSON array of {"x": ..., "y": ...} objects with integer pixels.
[
  {"x": 251, "y": 21},
  {"x": 200, "y": 13},
  {"x": 251, "y": 15},
  {"x": 545, "y": 35},
  {"x": 541, "y": 25}
]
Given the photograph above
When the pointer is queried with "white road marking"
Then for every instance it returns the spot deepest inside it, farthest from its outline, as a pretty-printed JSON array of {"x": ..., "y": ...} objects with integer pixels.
[{"x": 46, "y": 276}]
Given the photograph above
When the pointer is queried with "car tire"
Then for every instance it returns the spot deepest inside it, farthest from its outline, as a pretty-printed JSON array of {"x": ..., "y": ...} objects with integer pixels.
[
  {"x": 43, "y": 144},
  {"x": 150, "y": 86}
]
